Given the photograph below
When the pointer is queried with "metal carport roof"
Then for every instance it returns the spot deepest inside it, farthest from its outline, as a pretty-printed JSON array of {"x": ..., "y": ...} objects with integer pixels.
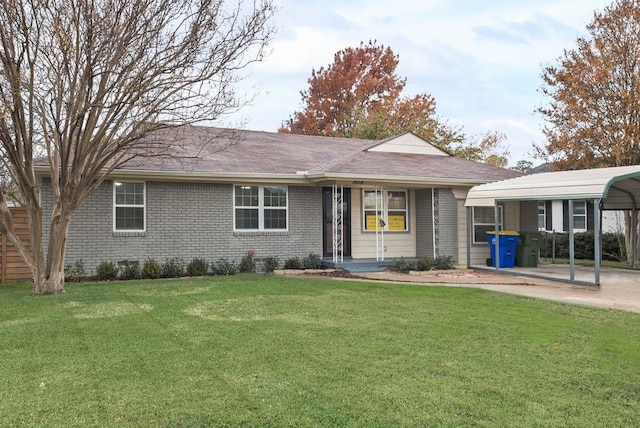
[
  {"x": 610, "y": 188},
  {"x": 619, "y": 188}
]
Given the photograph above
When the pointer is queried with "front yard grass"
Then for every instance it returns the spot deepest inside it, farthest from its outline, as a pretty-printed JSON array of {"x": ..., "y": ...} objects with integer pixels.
[{"x": 251, "y": 350}]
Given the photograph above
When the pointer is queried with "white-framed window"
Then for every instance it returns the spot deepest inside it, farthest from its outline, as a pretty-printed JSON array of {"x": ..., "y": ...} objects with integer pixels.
[
  {"x": 579, "y": 215},
  {"x": 129, "y": 206},
  {"x": 484, "y": 221},
  {"x": 542, "y": 215},
  {"x": 389, "y": 206},
  {"x": 260, "y": 208}
]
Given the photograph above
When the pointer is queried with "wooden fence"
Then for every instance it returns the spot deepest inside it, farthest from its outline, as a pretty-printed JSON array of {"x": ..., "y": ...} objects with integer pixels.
[{"x": 12, "y": 268}]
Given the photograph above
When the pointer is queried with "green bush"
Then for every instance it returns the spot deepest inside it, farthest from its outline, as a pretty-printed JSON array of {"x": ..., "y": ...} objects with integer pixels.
[
  {"x": 224, "y": 267},
  {"x": 197, "y": 267},
  {"x": 269, "y": 264},
  {"x": 173, "y": 268},
  {"x": 312, "y": 261},
  {"x": 292, "y": 263},
  {"x": 107, "y": 271},
  {"x": 75, "y": 272},
  {"x": 151, "y": 269},
  {"x": 612, "y": 246},
  {"x": 247, "y": 264},
  {"x": 129, "y": 269},
  {"x": 402, "y": 265},
  {"x": 443, "y": 263},
  {"x": 424, "y": 264}
]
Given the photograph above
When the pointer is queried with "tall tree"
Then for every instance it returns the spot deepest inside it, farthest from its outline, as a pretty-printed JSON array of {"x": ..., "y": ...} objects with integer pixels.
[
  {"x": 360, "y": 82},
  {"x": 523, "y": 166},
  {"x": 488, "y": 147},
  {"x": 360, "y": 95},
  {"x": 85, "y": 81},
  {"x": 594, "y": 113}
]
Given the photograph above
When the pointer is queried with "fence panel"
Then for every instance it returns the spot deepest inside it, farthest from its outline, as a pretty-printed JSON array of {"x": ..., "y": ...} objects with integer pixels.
[{"x": 12, "y": 267}]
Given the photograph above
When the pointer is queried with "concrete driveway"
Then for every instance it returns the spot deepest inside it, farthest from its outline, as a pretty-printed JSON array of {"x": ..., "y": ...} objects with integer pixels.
[{"x": 619, "y": 289}]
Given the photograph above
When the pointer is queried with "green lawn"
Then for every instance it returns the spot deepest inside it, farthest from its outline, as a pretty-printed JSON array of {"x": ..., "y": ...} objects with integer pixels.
[{"x": 253, "y": 350}]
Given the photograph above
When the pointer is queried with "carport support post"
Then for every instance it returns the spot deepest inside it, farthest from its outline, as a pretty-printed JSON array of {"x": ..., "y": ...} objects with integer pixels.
[
  {"x": 634, "y": 236},
  {"x": 572, "y": 262},
  {"x": 597, "y": 239},
  {"x": 469, "y": 237},
  {"x": 497, "y": 234}
]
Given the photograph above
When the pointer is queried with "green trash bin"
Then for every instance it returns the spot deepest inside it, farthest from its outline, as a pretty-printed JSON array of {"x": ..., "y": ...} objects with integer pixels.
[{"x": 527, "y": 251}]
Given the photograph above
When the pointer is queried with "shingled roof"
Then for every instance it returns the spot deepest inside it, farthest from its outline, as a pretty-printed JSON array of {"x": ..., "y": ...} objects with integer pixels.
[{"x": 208, "y": 152}]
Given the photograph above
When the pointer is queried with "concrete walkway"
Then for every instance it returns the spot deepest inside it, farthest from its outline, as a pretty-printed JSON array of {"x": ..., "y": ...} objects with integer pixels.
[{"x": 619, "y": 289}]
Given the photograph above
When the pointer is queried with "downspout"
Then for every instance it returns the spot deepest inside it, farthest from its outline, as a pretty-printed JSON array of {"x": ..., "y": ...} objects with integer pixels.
[
  {"x": 572, "y": 262},
  {"x": 433, "y": 222}
]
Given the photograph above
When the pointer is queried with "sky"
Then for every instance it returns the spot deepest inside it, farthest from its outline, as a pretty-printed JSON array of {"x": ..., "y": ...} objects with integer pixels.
[{"x": 481, "y": 60}]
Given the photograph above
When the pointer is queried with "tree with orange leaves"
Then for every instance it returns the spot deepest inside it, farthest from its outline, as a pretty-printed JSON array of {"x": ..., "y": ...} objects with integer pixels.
[
  {"x": 360, "y": 96},
  {"x": 594, "y": 113}
]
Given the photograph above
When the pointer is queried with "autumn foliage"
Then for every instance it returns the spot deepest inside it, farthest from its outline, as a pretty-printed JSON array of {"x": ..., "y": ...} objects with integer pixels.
[
  {"x": 594, "y": 110},
  {"x": 361, "y": 82},
  {"x": 360, "y": 95},
  {"x": 594, "y": 113}
]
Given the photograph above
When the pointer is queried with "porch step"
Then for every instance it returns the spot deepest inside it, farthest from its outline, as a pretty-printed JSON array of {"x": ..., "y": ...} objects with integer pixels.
[
  {"x": 355, "y": 268},
  {"x": 359, "y": 266}
]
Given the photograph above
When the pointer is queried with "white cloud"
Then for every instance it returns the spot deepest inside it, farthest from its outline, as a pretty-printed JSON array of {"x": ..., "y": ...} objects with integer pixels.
[{"x": 481, "y": 60}]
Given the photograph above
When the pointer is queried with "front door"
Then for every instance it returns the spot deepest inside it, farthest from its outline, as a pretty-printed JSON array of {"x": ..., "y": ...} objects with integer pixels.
[{"x": 327, "y": 217}]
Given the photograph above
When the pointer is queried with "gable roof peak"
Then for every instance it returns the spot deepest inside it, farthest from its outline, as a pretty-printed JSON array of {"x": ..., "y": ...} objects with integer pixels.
[{"x": 409, "y": 143}]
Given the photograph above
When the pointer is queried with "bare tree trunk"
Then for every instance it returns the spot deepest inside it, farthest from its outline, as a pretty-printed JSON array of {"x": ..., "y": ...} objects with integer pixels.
[
  {"x": 628, "y": 228},
  {"x": 34, "y": 217},
  {"x": 52, "y": 275}
]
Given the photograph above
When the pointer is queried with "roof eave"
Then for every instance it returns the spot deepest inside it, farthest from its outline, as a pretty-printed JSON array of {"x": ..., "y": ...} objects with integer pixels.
[
  {"x": 408, "y": 180},
  {"x": 133, "y": 174}
]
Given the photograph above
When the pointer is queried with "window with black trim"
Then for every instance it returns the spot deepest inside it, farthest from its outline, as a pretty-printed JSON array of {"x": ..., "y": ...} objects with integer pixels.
[
  {"x": 129, "y": 206},
  {"x": 484, "y": 221},
  {"x": 260, "y": 207}
]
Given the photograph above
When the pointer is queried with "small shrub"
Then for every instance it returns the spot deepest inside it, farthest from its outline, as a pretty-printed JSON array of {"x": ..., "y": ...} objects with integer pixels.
[
  {"x": 197, "y": 267},
  {"x": 75, "y": 272},
  {"x": 151, "y": 269},
  {"x": 129, "y": 269},
  {"x": 312, "y": 261},
  {"x": 269, "y": 264},
  {"x": 173, "y": 268},
  {"x": 247, "y": 264},
  {"x": 107, "y": 271},
  {"x": 292, "y": 263},
  {"x": 402, "y": 265},
  {"x": 424, "y": 264},
  {"x": 224, "y": 267},
  {"x": 443, "y": 263}
]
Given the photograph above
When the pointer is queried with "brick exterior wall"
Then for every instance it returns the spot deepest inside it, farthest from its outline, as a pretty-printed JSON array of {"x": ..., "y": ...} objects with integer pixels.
[
  {"x": 447, "y": 225},
  {"x": 529, "y": 216},
  {"x": 424, "y": 223},
  {"x": 443, "y": 207},
  {"x": 186, "y": 220}
]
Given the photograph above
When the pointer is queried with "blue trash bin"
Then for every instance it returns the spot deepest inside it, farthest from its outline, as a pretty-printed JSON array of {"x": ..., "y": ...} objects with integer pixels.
[{"x": 508, "y": 242}]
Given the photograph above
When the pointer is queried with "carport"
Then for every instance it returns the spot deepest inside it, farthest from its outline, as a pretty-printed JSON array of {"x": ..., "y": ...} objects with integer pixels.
[{"x": 609, "y": 188}]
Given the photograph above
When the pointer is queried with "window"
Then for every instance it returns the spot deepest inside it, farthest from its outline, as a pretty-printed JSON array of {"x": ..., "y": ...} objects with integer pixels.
[
  {"x": 542, "y": 216},
  {"x": 129, "y": 207},
  {"x": 260, "y": 207},
  {"x": 484, "y": 221},
  {"x": 390, "y": 206},
  {"x": 579, "y": 215}
]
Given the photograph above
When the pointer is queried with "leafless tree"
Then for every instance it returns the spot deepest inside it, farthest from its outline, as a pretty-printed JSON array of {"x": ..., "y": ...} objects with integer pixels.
[{"x": 85, "y": 81}]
